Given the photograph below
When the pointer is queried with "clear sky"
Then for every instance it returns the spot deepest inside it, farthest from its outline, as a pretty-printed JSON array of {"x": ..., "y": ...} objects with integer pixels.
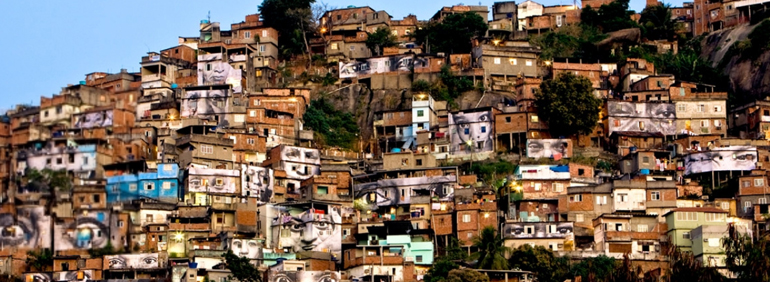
[{"x": 54, "y": 43}]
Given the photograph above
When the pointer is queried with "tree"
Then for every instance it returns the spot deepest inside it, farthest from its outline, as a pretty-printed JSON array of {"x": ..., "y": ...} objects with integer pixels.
[
  {"x": 47, "y": 180},
  {"x": 594, "y": 269},
  {"x": 466, "y": 275},
  {"x": 241, "y": 268},
  {"x": 542, "y": 262},
  {"x": 626, "y": 272},
  {"x": 609, "y": 17},
  {"x": 453, "y": 34},
  {"x": 747, "y": 257},
  {"x": 380, "y": 39},
  {"x": 292, "y": 19},
  {"x": 335, "y": 128},
  {"x": 571, "y": 41},
  {"x": 683, "y": 266},
  {"x": 40, "y": 259},
  {"x": 440, "y": 270},
  {"x": 656, "y": 23},
  {"x": 491, "y": 250},
  {"x": 567, "y": 104}
]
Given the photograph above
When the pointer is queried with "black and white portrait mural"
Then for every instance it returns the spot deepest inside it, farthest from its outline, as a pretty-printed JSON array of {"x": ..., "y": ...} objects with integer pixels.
[
  {"x": 71, "y": 276},
  {"x": 300, "y": 163},
  {"x": 311, "y": 230},
  {"x": 642, "y": 117},
  {"x": 721, "y": 159},
  {"x": 470, "y": 132},
  {"x": 38, "y": 277},
  {"x": 318, "y": 276},
  {"x": 248, "y": 248},
  {"x": 30, "y": 229},
  {"x": 538, "y": 229},
  {"x": 206, "y": 103},
  {"x": 549, "y": 148},
  {"x": 401, "y": 63},
  {"x": 209, "y": 180},
  {"x": 398, "y": 191},
  {"x": 83, "y": 232},
  {"x": 212, "y": 70},
  {"x": 132, "y": 261},
  {"x": 93, "y": 119},
  {"x": 257, "y": 182}
]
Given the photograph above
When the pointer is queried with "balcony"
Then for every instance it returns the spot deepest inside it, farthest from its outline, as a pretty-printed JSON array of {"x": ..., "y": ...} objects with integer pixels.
[
  {"x": 376, "y": 260},
  {"x": 189, "y": 226},
  {"x": 154, "y": 77},
  {"x": 225, "y": 206},
  {"x": 630, "y": 235}
]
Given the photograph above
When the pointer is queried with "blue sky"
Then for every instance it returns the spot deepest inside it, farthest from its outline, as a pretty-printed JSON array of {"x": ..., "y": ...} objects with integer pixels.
[{"x": 54, "y": 43}]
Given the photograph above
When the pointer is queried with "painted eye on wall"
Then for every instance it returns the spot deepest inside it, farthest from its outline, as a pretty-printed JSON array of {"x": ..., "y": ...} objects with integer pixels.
[
  {"x": 150, "y": 261},
  {"x": 117, "y": 262}
]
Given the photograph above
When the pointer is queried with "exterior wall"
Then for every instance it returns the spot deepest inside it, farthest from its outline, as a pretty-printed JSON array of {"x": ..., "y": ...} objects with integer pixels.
[
  {"x": 509, "y": 61},
  {"x": 634, "y": 200}
]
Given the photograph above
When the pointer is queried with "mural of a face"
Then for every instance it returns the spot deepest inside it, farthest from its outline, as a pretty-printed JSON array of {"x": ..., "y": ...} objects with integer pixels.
[
  {"x": 85, "y": 232},
  {"x": 245, "y": 248},
  {"x": 73, "y": 275},
  {"x": 396, "y": 191},
  {"x": 300, "y": 163},
  {"x": 313, "y": 232},
  {"x": 37, "y": 277},
  {"x": 136, "y": 261},
  {"x": 206, "y": 180},
  {"x": 642, "y": 117},
  {"x": 730, "y": 158},
  {"x": 257, "y": 182},
  {"x": 30, "y": 230},
  {"x": 470, "y": 132},
  {"x": 213, "y": 71},
  {"x": 538, "y": 230},
  {"x": 318, "y": 276},
  {"x": 202, "y": 103},
  {"x": 94, "y": 120},
  {"x": 546, "y": 148}
]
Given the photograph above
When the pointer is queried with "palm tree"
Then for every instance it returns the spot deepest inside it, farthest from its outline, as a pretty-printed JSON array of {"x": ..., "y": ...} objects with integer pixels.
[
  {"x": 656, "y": 22},
  {"x": 491, "y": 250}
]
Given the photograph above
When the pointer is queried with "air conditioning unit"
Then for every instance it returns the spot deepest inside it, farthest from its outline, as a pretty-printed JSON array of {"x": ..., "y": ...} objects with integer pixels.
[{"x": 440, "y": 54}]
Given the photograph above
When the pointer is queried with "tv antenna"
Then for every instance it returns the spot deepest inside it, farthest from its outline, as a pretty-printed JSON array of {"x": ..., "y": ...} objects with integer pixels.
[{"x": 208, "y": 17}]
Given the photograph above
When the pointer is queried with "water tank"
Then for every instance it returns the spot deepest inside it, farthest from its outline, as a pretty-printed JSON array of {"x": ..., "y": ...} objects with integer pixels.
[
  {"x": 193, "y": 265},
  {"x": 173, "y": 86},
  {"x": 351, "y": 6},
  {"x": 644, "y": 171},
  {"x": 396, "y": 150},
  {"x": 82, "y": 82},
  {"x": 204, "y": 21}
]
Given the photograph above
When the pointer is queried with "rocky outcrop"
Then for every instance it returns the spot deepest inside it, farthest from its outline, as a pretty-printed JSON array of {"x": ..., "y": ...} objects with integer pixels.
[{"x": 749, "y": 78}]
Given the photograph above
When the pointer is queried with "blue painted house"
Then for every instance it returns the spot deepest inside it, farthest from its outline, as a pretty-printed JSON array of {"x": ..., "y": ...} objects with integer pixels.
[{"x": 162, "y": 185}]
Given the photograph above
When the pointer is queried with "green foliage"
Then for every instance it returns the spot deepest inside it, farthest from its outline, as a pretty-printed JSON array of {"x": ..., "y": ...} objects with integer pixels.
[
  {"x": 47, "y": 179},
  {"x": 656, "y": 23},
  {"x": 466, "y": 275},
  {"x": 571, "y": 41},
  {"x": 492, "y": 172},
  {"x": 567, "y": 104},
  {"x": 609, "y": 17},
  {"x": 291, "y": 18},
  {"x": 686, "y": 65},
  {"x": 626, "y": 272},
  {"x": 439, "y": 271},
  {"x": 106, "y": 251},
  {"x": 335, "y": 128},
  {"x": 421, "y": 86},
  {"x": 683, "y": 266},
  {"x": 594, "y": 269},
  {"x": 491, "y": 250},
  {"x": 451, "y": 86},
  {"x": 379, "y": 39},
  {"x": 751, "y": 48},
  {"x": 453, "y": 34},
  {"x": 241, "y": 268},
  {"x": 454, "y": 251},
  {"x": 746, "y": 257},
  {"x": 546, "y": 266},
  {"x": 40, "y": 259}
]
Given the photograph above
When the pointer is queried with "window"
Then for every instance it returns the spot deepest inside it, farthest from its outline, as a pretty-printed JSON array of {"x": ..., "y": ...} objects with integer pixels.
[
  {"x": 466, "y": 218},
  {"x": 576, "y": 198},
  {"x": 418, "y": 162},
  {"x": 558, "y": 187},
  {"x": 507, "y": 119},
  {"x": 529, "y": 63},
  {"x": 207, "y": 149},
  {"x": 717, "y": 109},
  {"x": 166, "y": 185},
  {"x": 483, "y": 129},
  {"x": 686, "y": 235},
  {"x": 352, "y": 48},
  {"x": 120, "y": 223},
  {"x": 759, "y": 182},
  {"x": 717, "y": 123},
  {"x": 646, "y": 160},
  {"x": 714, "y": 242},
  {"x": 420, "y": 113},
  {"x": 529, "y": 229},
  {"x": 701, "y": 108},
  {"x": 45, "y": 114},
  {"x": 467, "y": 131},
  {"x": 131, "y": 187},
  {"x": 323, "y": 190},
  {"x": 418, "y": 258},
  {"x": 622, "y": 198},
  {"x": 717, "y": 217},
  {"x": 746, "y": 183},
  {"x": 704, "y": 123},
  {"x": 687, "y": 216},
  {"x": 97, "y": 198},
  {"x": 497, "y": 61},
  {"x": 247, "y": 34},
  {"x": 148, "y": 186},
  {"x": 558, "y": 20},
  {"x": 262, "y": 48},
  {"x": 762, "y": 201},
  {"x": 538, "y": 186},
  {"x": 334, "y": 46},
  {"x": 579, "y": 218},
  {"x": 641, "y": 228},
  {"x": 725, "y": 205},
  {"x": 601, "y": 200},
  {"x": 264, "y": 33},
  {"x": 257, "y": 102},
  {"x": 58, "y": 160},
  {"x": 655, "y": 196},
  {"x": 534, "y": 119},
  {"x": 512, "y": 61},
  {"x": 250, "y": 141}
]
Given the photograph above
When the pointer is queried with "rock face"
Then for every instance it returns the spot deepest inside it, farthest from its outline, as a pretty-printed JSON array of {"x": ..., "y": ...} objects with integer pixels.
[{"x": 749, "y": 79}]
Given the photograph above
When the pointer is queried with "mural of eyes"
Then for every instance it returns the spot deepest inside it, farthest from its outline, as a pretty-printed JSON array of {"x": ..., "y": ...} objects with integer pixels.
[
  {"x": 14, "y": 234},
  {"x": 377, "y": 197},
  {"x": 117, "y": 262},
  {"x": 663, "y": 112},
  {"x": 327, "y": 278},
  {"x": 292, "y": 153},
  {"x": 311, "y": 155},
  {"x": 149, "y": 261},
  {"x": 282, "y": 278},
  {"x": 89, "y": 233},
  {"x": 535, "y": 147},
  {"x": 39, "y": 277}
]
